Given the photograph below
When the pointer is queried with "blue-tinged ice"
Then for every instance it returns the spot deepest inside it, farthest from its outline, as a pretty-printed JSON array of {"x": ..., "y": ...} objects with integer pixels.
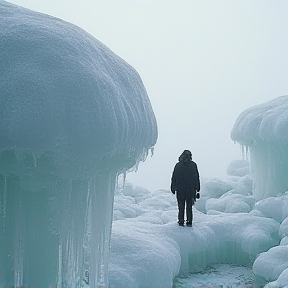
[
  {"x": 264, "y": 130},
  {"x": 73, "y": 115}
]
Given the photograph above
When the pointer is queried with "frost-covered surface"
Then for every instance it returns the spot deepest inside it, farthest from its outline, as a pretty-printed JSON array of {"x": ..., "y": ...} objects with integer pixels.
[
  {"x": 149, "y": 249},
  {"x": 66, "y": 91},
  {"x": 264, "y": 130},
  {"x": 275, "y": 208},
  {"x": 264, "y": 122},
  {"x": 73, "y": 115},
  {"x": 272, "y": 263},
  {"x": 281, "y": 282},
  {"x": 238, "y": 168},
  {"x": 215, "y": 275},
  {"x": 283, "y": 231}
]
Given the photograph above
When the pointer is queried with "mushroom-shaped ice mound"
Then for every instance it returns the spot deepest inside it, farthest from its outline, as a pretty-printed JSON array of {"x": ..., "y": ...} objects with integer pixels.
[
  {"x": 73, "y": 115},
  {"x": 264, "y": 122},
  {"x": 263, "y": 129},
  {"x": 60, "y": 86}
]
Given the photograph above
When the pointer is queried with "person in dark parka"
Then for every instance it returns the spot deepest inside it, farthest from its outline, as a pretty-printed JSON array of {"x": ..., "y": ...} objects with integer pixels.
[{"x": 185, "y": 182}]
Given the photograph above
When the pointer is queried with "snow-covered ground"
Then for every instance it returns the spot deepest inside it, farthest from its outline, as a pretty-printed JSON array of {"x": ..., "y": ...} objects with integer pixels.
[
  {"x": 149, "y": 249},
  {"x": 220, "y": 275}
]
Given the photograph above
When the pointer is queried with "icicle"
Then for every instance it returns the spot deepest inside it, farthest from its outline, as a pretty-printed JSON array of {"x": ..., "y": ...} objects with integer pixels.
[
  {"x": 3, "y": 201},
  {"x": 60, "y": 259},
  {"x": 35, "y": 160},
  {"x": 269, "y": 167},
  {"x": 152, "y": 151},
  {"x": 121, "y": 180}
]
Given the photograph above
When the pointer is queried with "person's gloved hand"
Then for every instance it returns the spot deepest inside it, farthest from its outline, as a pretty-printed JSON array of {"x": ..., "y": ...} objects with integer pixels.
[{"x": 172, "y": 189}]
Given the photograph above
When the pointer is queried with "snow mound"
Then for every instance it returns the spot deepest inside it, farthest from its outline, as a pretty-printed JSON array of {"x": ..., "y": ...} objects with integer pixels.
[{"x": 272, "y": 263}]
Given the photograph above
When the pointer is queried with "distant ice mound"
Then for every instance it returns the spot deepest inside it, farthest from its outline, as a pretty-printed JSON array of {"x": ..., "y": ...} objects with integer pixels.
[
  {"x": 264, "y": 130},
  {"x": 73, "y": 115},
  {"x": 238, "y": 168},
  {"x": 264, "y": 122}
]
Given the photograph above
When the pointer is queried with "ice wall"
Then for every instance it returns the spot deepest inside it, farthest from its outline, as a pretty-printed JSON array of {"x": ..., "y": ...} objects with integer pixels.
[
  {"x": 264, "y": 130},
  {"x": 73, "y": 115}
]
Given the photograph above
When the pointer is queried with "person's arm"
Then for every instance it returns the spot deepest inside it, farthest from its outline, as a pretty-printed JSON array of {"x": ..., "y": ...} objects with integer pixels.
[
  {"x": 173, "y": 181},
  {"x": 197, "y": 179}
]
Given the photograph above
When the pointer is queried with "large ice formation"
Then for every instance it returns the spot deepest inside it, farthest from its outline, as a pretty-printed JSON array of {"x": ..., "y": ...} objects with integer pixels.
[
  {"x": 73, "y": 115},
  {"x": 263, "y": 129}
]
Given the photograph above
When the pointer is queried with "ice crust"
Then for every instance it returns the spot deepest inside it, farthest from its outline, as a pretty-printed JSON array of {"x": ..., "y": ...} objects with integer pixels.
[{"x": 73, "y": 116}]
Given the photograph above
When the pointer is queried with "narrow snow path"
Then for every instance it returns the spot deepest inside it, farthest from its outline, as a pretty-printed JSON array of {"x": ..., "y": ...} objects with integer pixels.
[{"x": 220, "y": 275}]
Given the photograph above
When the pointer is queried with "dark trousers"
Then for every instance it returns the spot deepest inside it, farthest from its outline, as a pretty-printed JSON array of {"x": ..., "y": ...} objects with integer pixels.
[{"x": 185, "y": 198}]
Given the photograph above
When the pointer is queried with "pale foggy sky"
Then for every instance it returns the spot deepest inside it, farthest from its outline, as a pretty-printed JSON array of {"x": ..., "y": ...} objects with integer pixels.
[{"x": 202, "y": 63}]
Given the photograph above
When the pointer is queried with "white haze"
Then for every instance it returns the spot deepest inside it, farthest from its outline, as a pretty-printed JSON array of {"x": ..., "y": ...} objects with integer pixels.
[{"x": 202, "y": 63}]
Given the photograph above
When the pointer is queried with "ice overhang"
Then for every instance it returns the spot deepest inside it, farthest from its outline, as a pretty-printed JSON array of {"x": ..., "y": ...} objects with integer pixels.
[{"x": 265, "y": 122}]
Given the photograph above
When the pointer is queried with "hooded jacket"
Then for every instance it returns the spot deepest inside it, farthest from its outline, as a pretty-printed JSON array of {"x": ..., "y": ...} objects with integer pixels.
[{"x": 185, "y": 174}]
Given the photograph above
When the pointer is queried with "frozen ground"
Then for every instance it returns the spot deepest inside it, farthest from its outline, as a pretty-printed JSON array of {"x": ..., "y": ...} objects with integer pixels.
[
  {"x": 150, "y": 250},
  {"x": 220, "y": 275}
]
